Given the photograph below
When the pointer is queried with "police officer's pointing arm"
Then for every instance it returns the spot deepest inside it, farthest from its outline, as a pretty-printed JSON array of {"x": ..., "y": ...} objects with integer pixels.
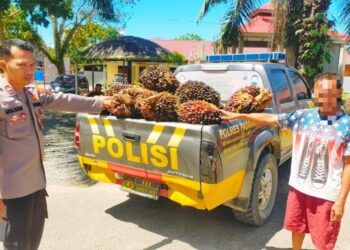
[{"x": 71, "y": 103}]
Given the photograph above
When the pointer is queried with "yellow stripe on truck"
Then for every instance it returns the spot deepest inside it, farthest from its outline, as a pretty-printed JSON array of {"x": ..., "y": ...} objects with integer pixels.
[
  {"x": 177, "y": 137},
  {"x": 155, "y": 134},
  {"x": 93, "y": 124},
  {"x": 108, "y": 127}
]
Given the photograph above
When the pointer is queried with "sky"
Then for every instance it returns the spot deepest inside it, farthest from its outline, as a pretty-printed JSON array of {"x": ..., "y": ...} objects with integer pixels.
[{"x": 168, "y": 19}]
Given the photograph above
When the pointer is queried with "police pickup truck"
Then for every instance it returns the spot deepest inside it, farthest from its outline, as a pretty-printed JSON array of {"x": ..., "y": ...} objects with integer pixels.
[{"x": 233, "y": 164}]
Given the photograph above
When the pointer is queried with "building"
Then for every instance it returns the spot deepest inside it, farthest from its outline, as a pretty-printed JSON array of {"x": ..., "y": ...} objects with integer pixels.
[{"x": 256, "y": 38}]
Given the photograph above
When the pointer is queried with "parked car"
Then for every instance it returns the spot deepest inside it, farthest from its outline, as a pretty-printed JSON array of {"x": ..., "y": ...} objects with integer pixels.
[
  {"x": 203, "y": 166},
  {"x": 66, "y": 83}
]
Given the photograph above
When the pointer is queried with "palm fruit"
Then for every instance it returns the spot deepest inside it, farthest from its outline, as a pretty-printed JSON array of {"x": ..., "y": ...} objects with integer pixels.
[
  {"x": 122, "y": 106},
  {"x": 115, "y": 88},
  {"x": 159, "y": 78},
  {"x": 126, "y": 102},
  {"x": 196, "y": 90},
  {"x": 160, "y": 107},
  {"x": 199, "y": 112},
  {"x": 249, "y": 99}
]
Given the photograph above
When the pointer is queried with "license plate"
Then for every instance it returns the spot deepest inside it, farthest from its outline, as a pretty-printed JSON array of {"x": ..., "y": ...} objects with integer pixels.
[{"x": 141, "y": 187}]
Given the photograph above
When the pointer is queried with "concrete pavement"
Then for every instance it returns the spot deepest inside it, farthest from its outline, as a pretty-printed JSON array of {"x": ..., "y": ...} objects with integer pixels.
[{"x": 104, "y": 217}]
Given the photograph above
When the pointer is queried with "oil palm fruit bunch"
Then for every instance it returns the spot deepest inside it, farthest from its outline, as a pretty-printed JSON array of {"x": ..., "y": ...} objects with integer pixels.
[
  {"x": 196, "y": 90},
  {"x": 160, "y": 107},
  {"x": 159, "y": 78},
  {"x": 126, "y": 102},
  {"x": 199, "y": 112},
  {"x": 122, "y": 106},
  {"x": 249, "y": 99},
  {"x": 115, "y": 88}
]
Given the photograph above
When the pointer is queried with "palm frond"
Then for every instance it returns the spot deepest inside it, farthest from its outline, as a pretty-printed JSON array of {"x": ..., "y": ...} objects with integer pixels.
[
  {"x": 207, "y": 5},
  {"x": 235, "y": 20},
  {"x": 104, "y": 8},
  {"x": 345, "y": 14}
]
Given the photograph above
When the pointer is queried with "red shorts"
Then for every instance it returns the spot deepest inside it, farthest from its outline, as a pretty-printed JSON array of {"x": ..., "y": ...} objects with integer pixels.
[{"x": 307, "y": 214}]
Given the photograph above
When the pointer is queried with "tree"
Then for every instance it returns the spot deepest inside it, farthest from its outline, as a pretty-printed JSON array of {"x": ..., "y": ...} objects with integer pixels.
[
  {"x": 64, "y": 29},
  {"x": 235, "y": 17},
  {"x": 175, "y": 57},
  {"x": 314, "y": 39},
  {"x": 344, "y": 5},
  {"x": 15, "y": 25},
  {"x": 37, "y": 11},
  {"x": 87, "y": 35},
  {"x": 300, "y": 26},
  {"x": 190, "y": 36}
]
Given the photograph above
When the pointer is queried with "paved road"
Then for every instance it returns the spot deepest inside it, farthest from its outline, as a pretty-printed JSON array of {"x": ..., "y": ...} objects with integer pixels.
[{"x": 86, "y": 215}]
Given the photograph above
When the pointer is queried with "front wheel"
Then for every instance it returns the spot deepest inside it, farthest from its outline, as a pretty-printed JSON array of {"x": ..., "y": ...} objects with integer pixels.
[{"x": 262, "y": 197}]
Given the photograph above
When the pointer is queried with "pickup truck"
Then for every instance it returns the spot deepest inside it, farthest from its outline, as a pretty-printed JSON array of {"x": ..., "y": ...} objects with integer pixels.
[{"x": 203, "y": 166}]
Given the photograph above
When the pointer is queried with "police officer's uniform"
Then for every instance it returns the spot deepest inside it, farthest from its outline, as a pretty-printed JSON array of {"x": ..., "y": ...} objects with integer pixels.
[{"x": 22, "y": 176}]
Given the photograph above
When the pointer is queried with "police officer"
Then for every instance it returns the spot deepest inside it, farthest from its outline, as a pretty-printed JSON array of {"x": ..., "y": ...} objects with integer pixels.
[{"x": 22, "y": 177}]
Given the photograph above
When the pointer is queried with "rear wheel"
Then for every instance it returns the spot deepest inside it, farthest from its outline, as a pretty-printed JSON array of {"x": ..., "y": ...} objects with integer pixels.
[{"x": 262, "y": 197}]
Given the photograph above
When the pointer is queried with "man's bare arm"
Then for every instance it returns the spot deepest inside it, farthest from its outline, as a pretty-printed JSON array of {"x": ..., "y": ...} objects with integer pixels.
[
  {"x": 338, "y": 207},
  {"x": 262, "y": 118}
]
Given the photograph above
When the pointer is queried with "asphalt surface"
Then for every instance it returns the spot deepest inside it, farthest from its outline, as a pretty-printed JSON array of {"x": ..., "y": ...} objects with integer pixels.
[{"x": 86, "y": 215}]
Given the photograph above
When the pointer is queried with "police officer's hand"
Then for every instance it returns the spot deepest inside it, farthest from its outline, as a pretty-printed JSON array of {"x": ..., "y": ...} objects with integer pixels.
[
  {"x": 2, "y": 210},
  {"x": 107, "y": 102}
]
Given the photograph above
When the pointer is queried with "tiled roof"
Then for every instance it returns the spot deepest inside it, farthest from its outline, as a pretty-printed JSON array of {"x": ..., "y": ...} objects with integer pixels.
[{"x": 190, "y": 49}]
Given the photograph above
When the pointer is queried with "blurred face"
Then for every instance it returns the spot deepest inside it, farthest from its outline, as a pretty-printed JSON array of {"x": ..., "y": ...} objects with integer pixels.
[
  {"x": 19, "y": 67},
  {"x": 98, "y": 88},
  {"x": 326, "y": 95}
]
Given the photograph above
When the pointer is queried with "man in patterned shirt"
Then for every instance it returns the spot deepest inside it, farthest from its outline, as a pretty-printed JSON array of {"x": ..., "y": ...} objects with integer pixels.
[{"x": 320, "y": 172}]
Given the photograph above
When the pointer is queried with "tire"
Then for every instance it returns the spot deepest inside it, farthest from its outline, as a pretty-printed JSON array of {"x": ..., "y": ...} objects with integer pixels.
[{"x": 265, "y": 181}]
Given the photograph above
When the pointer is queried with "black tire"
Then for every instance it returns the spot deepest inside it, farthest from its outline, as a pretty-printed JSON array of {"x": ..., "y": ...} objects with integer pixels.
[{"x": 259, "y": 209}]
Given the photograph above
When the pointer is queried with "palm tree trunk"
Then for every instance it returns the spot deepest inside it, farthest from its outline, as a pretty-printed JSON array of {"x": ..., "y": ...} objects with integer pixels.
[{"x": 2, "y": 30}]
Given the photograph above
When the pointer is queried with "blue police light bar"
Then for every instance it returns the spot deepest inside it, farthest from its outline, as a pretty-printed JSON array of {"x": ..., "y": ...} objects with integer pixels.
[{"x": 269, "y": 56}]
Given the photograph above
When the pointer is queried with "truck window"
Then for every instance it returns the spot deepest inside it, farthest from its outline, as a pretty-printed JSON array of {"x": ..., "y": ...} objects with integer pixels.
[
  {"x": 225, "y": 82},
  {"x": 300, "y": 88},
  {"x": 280, "y": 86}
]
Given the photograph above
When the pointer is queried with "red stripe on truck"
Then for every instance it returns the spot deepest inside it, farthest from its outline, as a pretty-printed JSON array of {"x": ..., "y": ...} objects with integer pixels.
[{"x": 135, "y": 172}]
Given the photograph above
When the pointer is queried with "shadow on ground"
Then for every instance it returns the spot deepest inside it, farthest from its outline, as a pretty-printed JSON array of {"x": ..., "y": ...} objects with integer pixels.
[{"x": 215, "y": 229}]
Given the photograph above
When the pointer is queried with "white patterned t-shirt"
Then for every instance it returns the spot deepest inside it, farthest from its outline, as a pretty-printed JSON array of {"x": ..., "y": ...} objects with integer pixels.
[{"x": 319, "y": 145}]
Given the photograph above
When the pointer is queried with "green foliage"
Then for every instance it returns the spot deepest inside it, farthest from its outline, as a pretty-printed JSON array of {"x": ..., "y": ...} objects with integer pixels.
[
  {"x": 314, "y": 49},
  {"x": 16, "y": 25},
  {"x": 190, "y": 36},
  {"x": 87, "y": 35},
  {"x": 175, "y": 57},
  {"x": 235, "y": 18},
  {"x": 39, "y": 10}
]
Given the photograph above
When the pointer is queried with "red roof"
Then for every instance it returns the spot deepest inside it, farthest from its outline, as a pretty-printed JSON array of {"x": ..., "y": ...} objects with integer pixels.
[
  {"x": 261, "y": 22},
  {"x": 190, "y": 49},
  {"x": 267, "y": 8}
]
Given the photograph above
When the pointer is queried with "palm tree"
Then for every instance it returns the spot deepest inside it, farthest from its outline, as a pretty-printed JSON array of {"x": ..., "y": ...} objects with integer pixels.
[
  {"x": 235, "y": 17},
  {"x": 344, "y": 5},
  {"x": 295, "y": 25}
]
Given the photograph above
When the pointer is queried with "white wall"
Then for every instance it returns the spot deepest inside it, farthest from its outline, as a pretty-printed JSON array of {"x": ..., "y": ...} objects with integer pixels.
[
  {"x": 50, "y": 70},
  {"x": 99, "y": 77},
  {"x": 334, "y": 64}
]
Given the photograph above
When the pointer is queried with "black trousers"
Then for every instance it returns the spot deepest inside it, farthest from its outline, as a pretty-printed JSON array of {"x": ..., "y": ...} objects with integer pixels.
[{"x": 23, "y": 221}]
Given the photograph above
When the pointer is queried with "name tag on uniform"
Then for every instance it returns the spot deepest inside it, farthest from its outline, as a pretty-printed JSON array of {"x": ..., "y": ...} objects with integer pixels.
[{"x": 13, "y": 110}]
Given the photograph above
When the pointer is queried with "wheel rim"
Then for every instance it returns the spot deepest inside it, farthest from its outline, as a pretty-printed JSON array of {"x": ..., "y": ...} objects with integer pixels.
[{"x": 265, "y": 189}]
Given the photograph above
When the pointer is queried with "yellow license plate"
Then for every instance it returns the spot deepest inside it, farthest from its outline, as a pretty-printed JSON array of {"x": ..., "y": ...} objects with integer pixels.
[{"x": 141, "y": 187}]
